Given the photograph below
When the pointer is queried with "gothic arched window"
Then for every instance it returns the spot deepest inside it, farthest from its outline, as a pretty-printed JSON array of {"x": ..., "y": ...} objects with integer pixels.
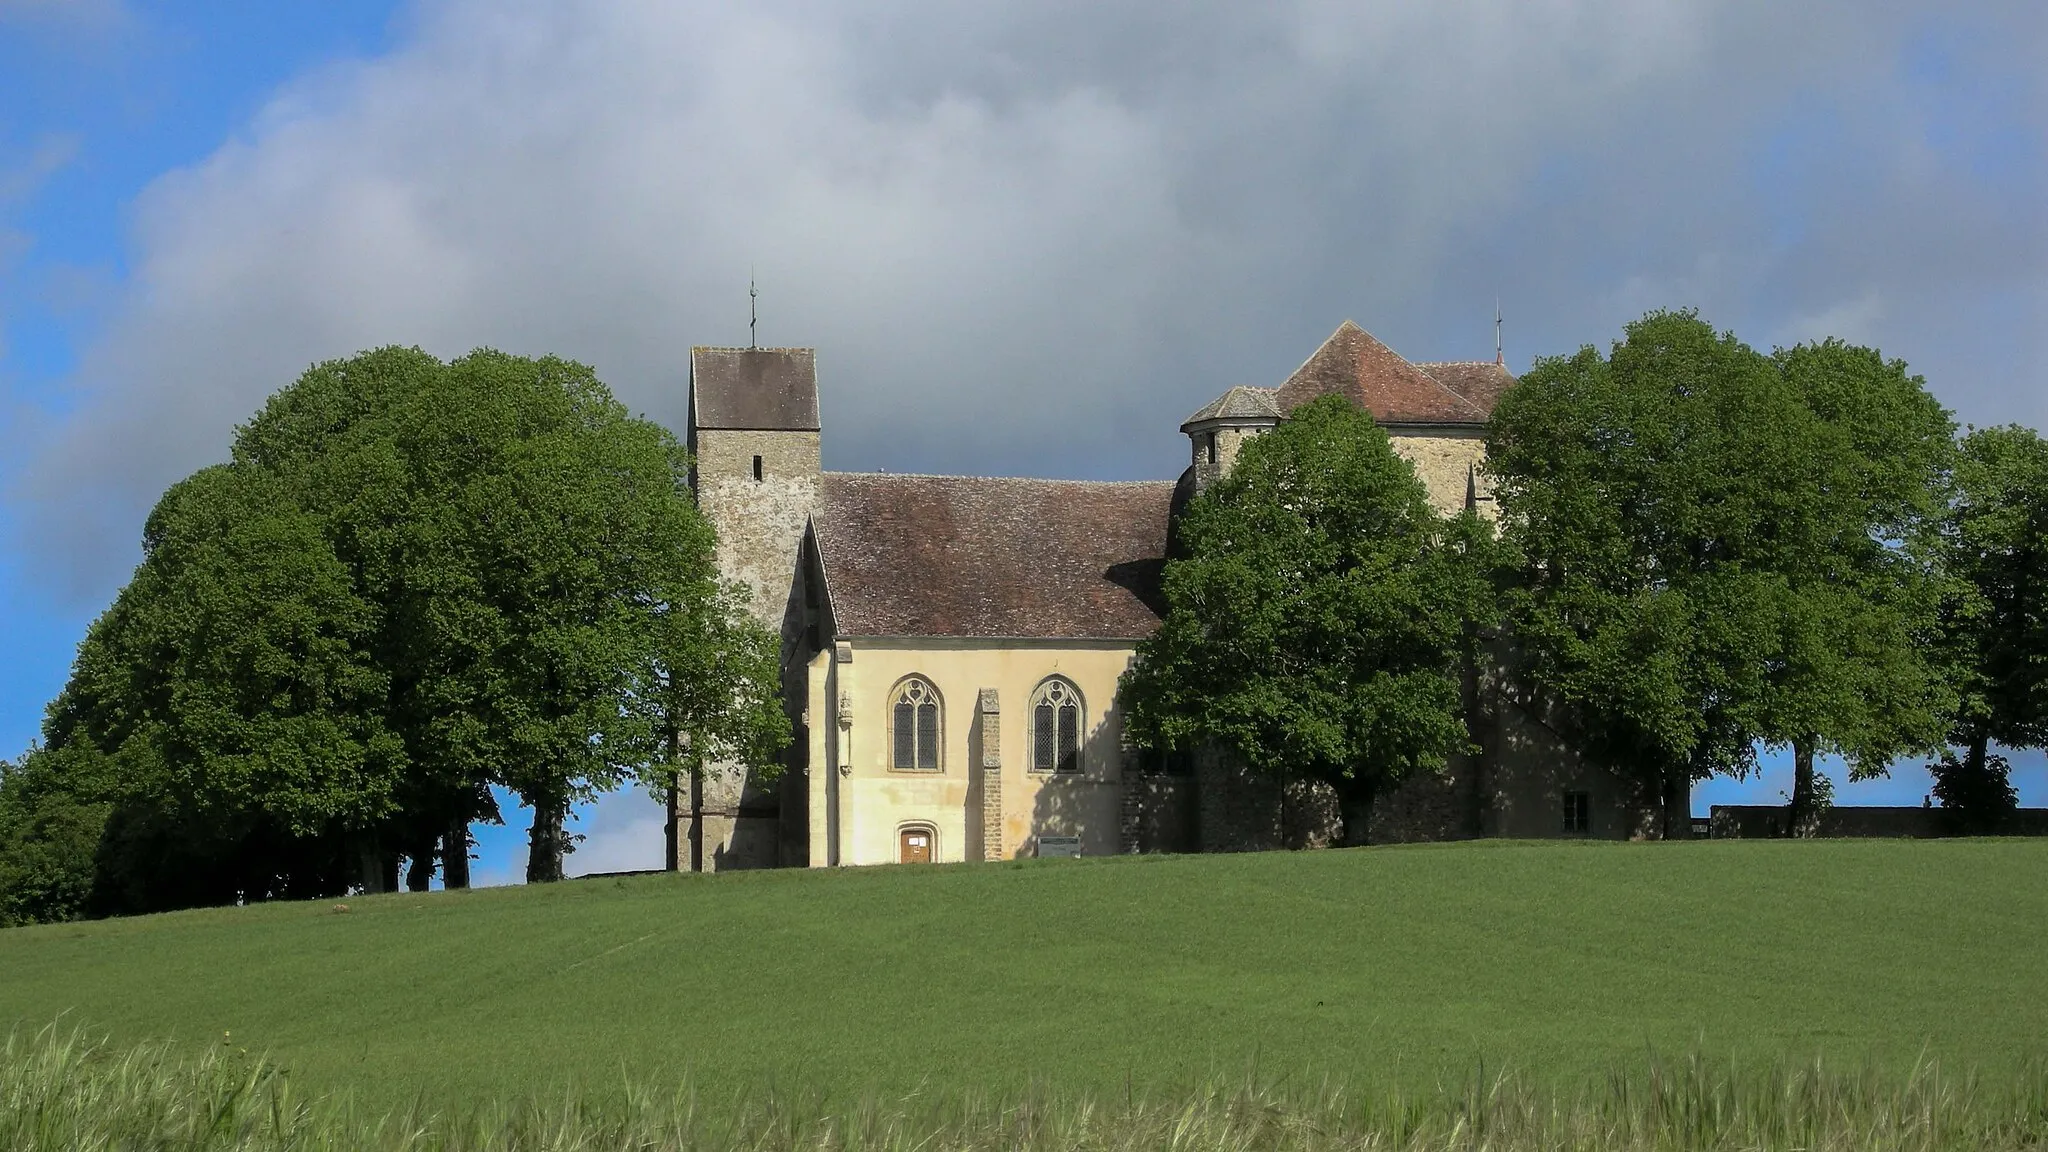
[
  {"x": 1056, "y": 727},
  {"x": 914, "y": 725}
]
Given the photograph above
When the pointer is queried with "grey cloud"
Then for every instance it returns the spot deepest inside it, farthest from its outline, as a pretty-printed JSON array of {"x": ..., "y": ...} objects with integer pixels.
[{"x": 1032, "y": 237}]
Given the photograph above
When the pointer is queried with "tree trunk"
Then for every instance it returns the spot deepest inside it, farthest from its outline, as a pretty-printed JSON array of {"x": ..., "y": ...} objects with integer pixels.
[
  {"x": 544, "y": 842},
  {"x": 1354, "y": 807},
  {"x": 1480, "y": 762},
  {"x": 370, "y": 869},
  {"x": 1676, "y": 817},
  {"x": 455, "y": 855},
  {"x": 419, "y": 872},
  {"x": 1799, "y": 813},
  {"x": 387, "y": 871},
  {"x": 672, "y": 858}
]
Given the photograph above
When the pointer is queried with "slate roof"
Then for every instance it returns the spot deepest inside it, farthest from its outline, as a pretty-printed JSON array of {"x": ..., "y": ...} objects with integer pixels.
[
  {"x": 977, "y": 556},
  {"x": 1352, "y": 363},
  {"x": 1243, "y": 402},
  {"x": 761, "y": 389}
]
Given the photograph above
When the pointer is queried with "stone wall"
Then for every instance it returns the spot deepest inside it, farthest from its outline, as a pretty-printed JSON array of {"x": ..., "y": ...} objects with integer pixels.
[
  {"x": 1767, "y": 821},
  {"x": 1159, "y": 813},
  {"x": 1428, "y": 806},
  {"x": 1230, "y": 440},
  {"x": 989, "y": 735},
  {"x": 1448, "y": 464},
  {"x": 1448, "y": 460},
  {"x": 734, "y": 818},
  {"x": 760, "y": 523}
]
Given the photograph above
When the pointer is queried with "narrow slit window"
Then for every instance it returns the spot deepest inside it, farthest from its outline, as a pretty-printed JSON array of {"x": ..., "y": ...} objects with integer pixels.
[
  {"x": 757, "y": 468},
  {"x": 1210, "y": 447}
]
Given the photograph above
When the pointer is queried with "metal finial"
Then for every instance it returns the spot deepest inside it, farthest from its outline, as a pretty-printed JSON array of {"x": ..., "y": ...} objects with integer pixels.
[
  {"x": 752, "y": 317},
  {"x": 1497, "y": 360}
]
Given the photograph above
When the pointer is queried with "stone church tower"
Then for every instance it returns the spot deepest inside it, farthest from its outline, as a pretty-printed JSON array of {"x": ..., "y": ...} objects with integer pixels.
[{"x": 754, "y": 435}]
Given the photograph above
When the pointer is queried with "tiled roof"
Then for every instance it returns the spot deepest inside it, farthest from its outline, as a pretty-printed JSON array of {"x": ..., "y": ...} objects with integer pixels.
[
  {"x": 1479, "y": 381},
  {"x": 992, "y": 557},
  {"x": 1243, "y": 402},
  {"x": 767, "y": 389},
  {"x": 1352, "y": 363}
]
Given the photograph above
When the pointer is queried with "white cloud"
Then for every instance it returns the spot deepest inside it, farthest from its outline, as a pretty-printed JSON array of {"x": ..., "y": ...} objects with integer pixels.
[
  {"x": 1031, "y": 237},
  {"x": 623, "y": 831}
]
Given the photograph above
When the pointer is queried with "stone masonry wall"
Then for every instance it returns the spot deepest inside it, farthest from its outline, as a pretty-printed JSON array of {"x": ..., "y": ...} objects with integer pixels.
[
  {"x": 1229, "y": 442},
  {"x": 992, "y": 846},
  {"x": 734, "y": 817},
  {"x": 1446, "y": 465},
  {"x": 760, "y": 523}
]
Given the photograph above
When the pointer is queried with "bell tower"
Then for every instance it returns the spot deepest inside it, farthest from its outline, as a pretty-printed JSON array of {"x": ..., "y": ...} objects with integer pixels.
[{"x": 754, "y": 436}]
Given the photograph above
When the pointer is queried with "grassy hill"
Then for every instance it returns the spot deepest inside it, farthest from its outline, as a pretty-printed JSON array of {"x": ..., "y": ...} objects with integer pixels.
[{"x": 1397, "y": 965}]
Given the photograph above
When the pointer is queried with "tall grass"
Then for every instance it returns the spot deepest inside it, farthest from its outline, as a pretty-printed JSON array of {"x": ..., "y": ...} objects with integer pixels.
[{"x": 65, "y": 1091}]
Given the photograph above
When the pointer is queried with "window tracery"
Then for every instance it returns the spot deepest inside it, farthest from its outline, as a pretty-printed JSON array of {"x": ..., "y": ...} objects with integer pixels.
[
  {"x": 914, "y": 725},
  {"x": 1056, "y": 717}
]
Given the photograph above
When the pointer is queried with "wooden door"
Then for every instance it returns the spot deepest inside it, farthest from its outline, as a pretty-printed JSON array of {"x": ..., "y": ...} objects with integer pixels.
[{"x": 917, "y": 846}]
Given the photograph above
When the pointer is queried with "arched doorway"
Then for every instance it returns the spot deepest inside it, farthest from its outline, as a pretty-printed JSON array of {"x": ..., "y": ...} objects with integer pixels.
[{"x": 915, "y": 845}]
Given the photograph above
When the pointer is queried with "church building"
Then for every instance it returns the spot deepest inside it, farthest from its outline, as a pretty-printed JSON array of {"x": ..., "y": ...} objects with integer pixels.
[{"x": 951, "y": 645}]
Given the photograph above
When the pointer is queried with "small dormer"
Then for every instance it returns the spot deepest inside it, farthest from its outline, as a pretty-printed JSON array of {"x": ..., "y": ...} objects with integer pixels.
[{"x": 1222, "y": 426}]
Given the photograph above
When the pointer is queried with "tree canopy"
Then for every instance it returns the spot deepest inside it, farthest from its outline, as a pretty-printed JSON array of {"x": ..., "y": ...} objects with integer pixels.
[
  {"x": 1997, "y": 623},
  {"x": 1714, "y": 548},
  {"x": 411, "y": 581},
  {"x": 1317, "y": 609}
]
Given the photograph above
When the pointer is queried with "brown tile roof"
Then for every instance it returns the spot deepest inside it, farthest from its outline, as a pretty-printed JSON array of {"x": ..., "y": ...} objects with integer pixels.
[
  {"x": 1479, "y": 381},
  {"x": 769, "y": 389},
  {"x": 1352, "y": 363},
  {"x": 1243, "y": 402},
  {"x": 981, "y": 556}
]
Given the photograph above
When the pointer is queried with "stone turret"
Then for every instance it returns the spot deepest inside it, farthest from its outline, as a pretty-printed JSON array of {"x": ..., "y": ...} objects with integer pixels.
[
  {"x": 1222, "y": 426},
  {"x": 754, "y": 434}
]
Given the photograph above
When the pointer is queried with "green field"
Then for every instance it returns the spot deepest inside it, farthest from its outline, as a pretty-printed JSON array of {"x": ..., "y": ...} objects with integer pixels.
[{"x": 1400, "y": 966}]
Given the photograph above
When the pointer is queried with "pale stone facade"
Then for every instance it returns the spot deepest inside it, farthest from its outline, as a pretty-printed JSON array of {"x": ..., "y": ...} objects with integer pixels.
[{"x": 984, "y": 800}]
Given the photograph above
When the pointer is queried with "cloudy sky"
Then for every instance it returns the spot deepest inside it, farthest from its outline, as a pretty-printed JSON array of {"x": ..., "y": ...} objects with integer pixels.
[{"x": 1025, "y": 238}]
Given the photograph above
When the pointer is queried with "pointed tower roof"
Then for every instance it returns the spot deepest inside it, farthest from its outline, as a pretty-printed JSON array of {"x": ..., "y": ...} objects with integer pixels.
[{"x": 1351, "y": 363}]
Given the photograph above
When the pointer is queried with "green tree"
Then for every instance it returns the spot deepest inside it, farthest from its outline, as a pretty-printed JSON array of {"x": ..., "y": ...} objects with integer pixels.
[
  {"x": 1317, "y": 613},
  {"x": 231, "y": 685},
  {"x": 557, "y": 627},
  {"x": 1650, "y": 500},
  {"x": 716, "y": 673},
  {"x": 1997, "y": 628},
  {"x": 1859, "y": 672},
  {"x": 591, "y": 634},
  {"x": 411, "y": 581},
  {"x": 52, "y": 816}
]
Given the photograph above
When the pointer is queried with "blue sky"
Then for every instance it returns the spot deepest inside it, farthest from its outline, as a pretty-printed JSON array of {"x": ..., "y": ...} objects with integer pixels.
[{"x": 1026, "y": 238}]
